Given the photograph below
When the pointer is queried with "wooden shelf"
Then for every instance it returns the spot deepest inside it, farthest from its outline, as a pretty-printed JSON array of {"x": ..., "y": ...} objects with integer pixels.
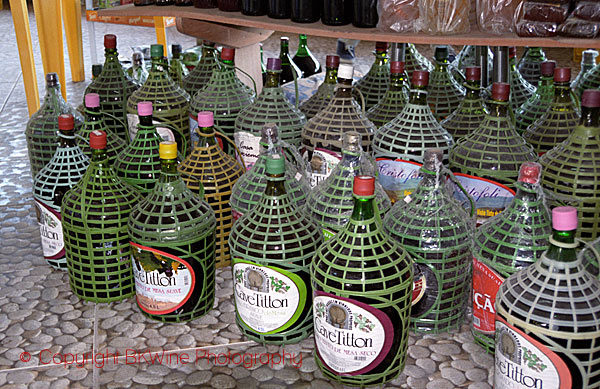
[{"x": 368, "y": 34}]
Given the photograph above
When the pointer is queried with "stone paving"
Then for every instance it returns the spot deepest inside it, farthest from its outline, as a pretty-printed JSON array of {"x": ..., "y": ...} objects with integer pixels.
[{"x": 41, "y": 318}]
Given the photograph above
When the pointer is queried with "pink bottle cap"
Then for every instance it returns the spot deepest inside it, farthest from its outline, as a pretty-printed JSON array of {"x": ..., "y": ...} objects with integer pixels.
[
  {"x": 92, "y": 100},
  {"x": 98, "y": 139},
  {"x": 530, "y": 172},
  {"x": 205, "y": 119},
  {"x": 145, "y": 108},
  {"x": 564, "y": 218}
]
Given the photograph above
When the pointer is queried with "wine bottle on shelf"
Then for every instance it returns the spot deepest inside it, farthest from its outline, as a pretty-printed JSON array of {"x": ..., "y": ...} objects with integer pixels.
[
  {"x": 336, "y": 12},
  {"x": 364, "y": 13},
  {"x": 199, "y": 76},
  {"x": 279, "y": 9},
  {"x": 288, "y": 66},
  {"x": 539, "y": 103},
  {"x": 350, "y": 301},
  {"x": 177, "y": 70},
  {"x": 306, "y": 61},
  {"x": 269, "y": 265},
  {"x": 505, "y": 244},
  {"x": 42, "y": 127},
  {"x": 249, "y": 188},
  {"x": 306, "y": 11},
  {"x": 588, "y": 61},
  {"x": 138, "y": 71},
  {"x": 254, "y": 7},
  {"x": 94, "y": 218},
  {"x": 471, "y": 111},
  {"x": 326, "y": 90},
  {"x": 558, "y": 122},
  {"x": 271, "y": 106},
  {"x": 444, "y": 93},
  {"x": 172, "y": 232},
  {"x": 375, "y": 83},
  {"x": 529, "y": 65},
  {"x": 205, "y": 4},
  {"x": 570, "y": 169},
  {"x": 63, "y": 172},
  {"x": 520, "y": 89},
  {"x": 184, "y": 3},
  {"x": 394, "y": 99},
  {"x": 114, "y": 86},
  {"x": 547, "y": 318},
  {"x": 229, "y": 5}
]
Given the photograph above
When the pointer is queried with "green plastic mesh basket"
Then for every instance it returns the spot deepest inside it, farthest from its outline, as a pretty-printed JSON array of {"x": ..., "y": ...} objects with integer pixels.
[
  {"x": 271, "y": 106},
  {"x": 199, "y": 76},
  {"x": 466, "y": 118},
  {"x": 571, "y": 177},
  {"x": 318, "y": 101},
  {"x": 209, "y": 168},
  {"x": 63, "y": 172},
  {"x": 250, "y": 187},
  {"x": 413, "y": 131},
  {"x": 442, "y": 260},
  {"x": 362, "y": 264},
  {"x": 520, "y": 89},
  {"x": 553, "y": 127},
  {"x": 41, "y": 131},
  {"x": 536, "y": 106},
  {"x": 272, "y": 237},
  {"x": 139, "y": 163},
  {"x": 94, "y": 215},
  {"x": 494, "y": 151},
  {"x": 529, "y": 65},
  {"x": 557, "y": 304},
  {"x": 468, "y": 57},
  {"x": 390, "y": 106},
  {"x": 95, "y": 121},
  {"x": 178, "y": 227},
  {"x": 588, "y": 62},
  {"x": 177, "y": 71},
  {"x": 508, "y": 242},
  {"x": 444, "y": 93},
  {"x": 374, "y": 84},
  {"x": 170, "y": 105},
  {"x": 591, "y": 80},
  {"x": 590, "y": 256},
  {"x": 415, "y": 60}
]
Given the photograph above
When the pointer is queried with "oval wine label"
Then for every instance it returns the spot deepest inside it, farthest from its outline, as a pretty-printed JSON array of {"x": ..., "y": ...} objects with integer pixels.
[
  {"x": 490, "y": 197},
  {"x": 267, "y": 299},
  {"x": 53, "y": 244},
  {"x": 163, "y": 282},
  {"x": 249, "y": 146},
  {"x": 523, "y": 362},
  {"x": 486, "y": 283},
  {"x": 165, "y": 133},
  {"x": 351, "y": 337},
  {"x": 322, "y": 163},
  {"x": 398, "y": 178}
]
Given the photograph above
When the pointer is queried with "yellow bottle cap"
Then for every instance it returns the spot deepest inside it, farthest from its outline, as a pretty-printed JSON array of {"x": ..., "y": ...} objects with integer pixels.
[{"x": 167, "y": 150}]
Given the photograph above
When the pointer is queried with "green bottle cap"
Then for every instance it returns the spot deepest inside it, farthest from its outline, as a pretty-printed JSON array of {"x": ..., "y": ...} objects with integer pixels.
[
  {"x": 275, "y": 165},
  {"x": 156, "y": 51}
]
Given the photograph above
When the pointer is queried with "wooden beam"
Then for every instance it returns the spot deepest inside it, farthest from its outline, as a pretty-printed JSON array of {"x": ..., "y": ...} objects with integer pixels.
[{"x": 228, "y": 35}]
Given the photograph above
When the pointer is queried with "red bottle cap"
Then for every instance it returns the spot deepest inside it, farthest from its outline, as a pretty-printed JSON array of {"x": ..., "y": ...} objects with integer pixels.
[
  {"x": 547, "y": 68},
  {"x": 564, "y": 218},
  {"x": 364, "y": 185},
  {"x": 227, "y": 53},
  {"x": 110, "y": 41},
  {"x": 591, "y": 98},
  {"x": 396, "y": 67},
  {"x": 512, "y": 52},
  {"x": 530, "y": 172},
  {"x": 274, "y": 64},
  {"x": 66, "y": 122},
  {"x": 500, "y": 91},
  {"x": 381, "y": 46},
  {"x": 205, "y": 119},
  {"x": 98, "y": 139},
  {"x": 332, "y": 61},
  {"x": 562, "y": 74},
  {"x": 145, "y": 108},
  {"x": 92, "y": 100},
  {"x": 420, "y": 78},
  {"x": 474, "y": 73}
]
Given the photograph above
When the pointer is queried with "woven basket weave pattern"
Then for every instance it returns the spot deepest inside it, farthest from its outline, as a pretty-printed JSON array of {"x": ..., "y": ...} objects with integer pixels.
[
  {"x": 114, "y": 144},
  {"x": 199, "y": 76},
  {"x": 552, "y": 128},
  {"x": 466, "y": 118},
  {"x": 318, "y": 101},
  {"x": 529, "y": 66},
  {"x": 444, "y": 93},
  {"x": 520, "y": 90},
  {"x": 373, "y": 85},
  {"x": 591, "y": 80},
  {"x": 390, "y": 105},
  {"x": 534, "y": 108},
  {"x": 590, "y": 259},
  {"x": 177, "y": 71},
  {"x": 415, "y": 60}
]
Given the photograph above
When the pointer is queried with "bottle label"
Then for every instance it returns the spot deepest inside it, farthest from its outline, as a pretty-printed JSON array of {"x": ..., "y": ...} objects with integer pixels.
[
  {"x": 236, "y": 215},
  {"x": 249, "y": 146},
  {"x": 163, "y": 282},
  {"x": 419, "y": 288},
  {"x": 267, "y": 299},
  {"x": 351, "y": 337},
  {"x": 486, "y": 283},
  {"x": 53, "y": 244},
  {"x": 523, "y": 362},
  {"x": 490, "y": 197},
  {"x": 327, "y": 234},
  {"x": 165, "y": 133},
  {"x": 322, "y": 163},
  {"x": 425, "y": 290},
  {"x": 398, "y": 178}
]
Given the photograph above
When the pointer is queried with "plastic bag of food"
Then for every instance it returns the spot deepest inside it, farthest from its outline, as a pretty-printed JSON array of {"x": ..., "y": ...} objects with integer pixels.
[
  {"x": 578, "y": 28},
  {"x": 526, "y": 28},
  {"x": 398, "y": 15},
  {"x": 544, "y": 12},
  {"x": 445, "y": 16},
  {"x": 496, "y": 16},
  {"x": 588, "y": 10}
]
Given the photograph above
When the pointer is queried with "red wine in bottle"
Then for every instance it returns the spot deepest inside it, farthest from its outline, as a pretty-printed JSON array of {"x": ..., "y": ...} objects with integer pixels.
[
  {"x": 279, "y": 9},
  {"x": 229, "y": 5},
  {"x": 254, "y": 7},
  {"x": 306, "y": 11},
  {"x": 365, "y": 13},
  {"x": 336, "y": 12}
]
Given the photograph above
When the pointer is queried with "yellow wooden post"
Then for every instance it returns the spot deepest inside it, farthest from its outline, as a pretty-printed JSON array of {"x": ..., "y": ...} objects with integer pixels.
[
  {"x": 71, "y": 12},
  {"x": 18, "y": 8},
  {"x": 161, "y": 33},
  {"x": 49, "y": 22}
]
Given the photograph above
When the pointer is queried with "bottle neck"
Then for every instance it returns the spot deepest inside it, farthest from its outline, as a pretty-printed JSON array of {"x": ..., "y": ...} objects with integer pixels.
[
  {"x": 158, "y": 65},
  {"x": 146, "y": 120},
  {"x": 499, "y": 108},
  {"x": 363, "y": 208},
  {"x": 418, "y": 95},
  {"x": 562, "y": 92},
  {"x": 275, "y": 185},
  {"x": 53, "y": 92},
  {"x": 442, "y": 65},
  {"x": 207, "y": 136},
  {"x": 93, "y": 114},
  {"x": 349, "y": 158},
  {"x": 272, "y": 79},
  {"x": 562, "y": 246},
  {"x": 535, "y": 54},
  {"x": 473, "y": 90},
  {"x": 228, "y": 62},
  {"x": 270, "y": 146},
  {"x": 284, "y": 52},
  {"x": 111, "y": 56},
  {"x": 330, "y": 76},
  {"x": 590, "y": 117},
  {"x": 397, "y": 81},
  {"x": 99, "y": 157},
  {"x": 302, "y": 47},
  {"x": 208, "y": 52},
  {"x": 344, "y": 88},
  {"x": 430, "y": 179},
  {"x": 381, "y": 58},
  {"x": 527, "y": 192},
  {"x": 586, "y": 66},
  {"x": 66, "y": 138},
  {"x": 168, "y": 168}
]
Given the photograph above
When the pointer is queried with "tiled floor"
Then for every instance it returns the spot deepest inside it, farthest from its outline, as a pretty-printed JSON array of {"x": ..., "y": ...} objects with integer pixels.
[{"x": 43, "y": 326}]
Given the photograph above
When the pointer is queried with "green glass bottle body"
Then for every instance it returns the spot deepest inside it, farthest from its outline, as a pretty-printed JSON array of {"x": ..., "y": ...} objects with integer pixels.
[
  {"x": 323, "y": 96},
  {"x": 304, "y": 59},
  {"x": 375, "y": 83},
  {"x": 392, "y": 102},
  {"x": 172, "y": 234},
  {"x": 415, "y": 60},
  {"x": 177, "y": 70},
  {"x": 469, "y": 114},
  {"x": 529, "y": 65},
  {"x": 198, "y": 77},
  {"x": 289, "y": 68},
  {"x": 444, "y": 93},
  {"x": 588, "y": 62},
  {"x": 537, "y": 105},
  {"x": 521, "y": 89}
]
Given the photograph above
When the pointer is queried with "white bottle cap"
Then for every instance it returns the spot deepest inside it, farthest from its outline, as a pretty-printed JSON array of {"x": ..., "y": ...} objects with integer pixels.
[{"x": 345, "y": 71}]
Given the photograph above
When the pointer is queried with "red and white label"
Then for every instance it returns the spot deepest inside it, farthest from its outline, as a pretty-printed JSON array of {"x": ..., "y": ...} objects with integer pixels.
[
  {"x": 53, "y": 244},
  {"x": 486, "y": 283}
]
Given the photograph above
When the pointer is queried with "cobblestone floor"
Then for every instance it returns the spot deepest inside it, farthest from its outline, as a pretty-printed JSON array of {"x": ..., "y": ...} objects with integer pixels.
[{"x": 40, "y": 317}]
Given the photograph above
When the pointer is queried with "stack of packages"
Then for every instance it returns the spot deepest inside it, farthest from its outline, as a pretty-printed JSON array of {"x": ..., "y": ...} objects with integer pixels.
[
  {"x": 429, "y": 16},
  {"x": 584, "y": 22},
  {"x": 540, "y": 18}
]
